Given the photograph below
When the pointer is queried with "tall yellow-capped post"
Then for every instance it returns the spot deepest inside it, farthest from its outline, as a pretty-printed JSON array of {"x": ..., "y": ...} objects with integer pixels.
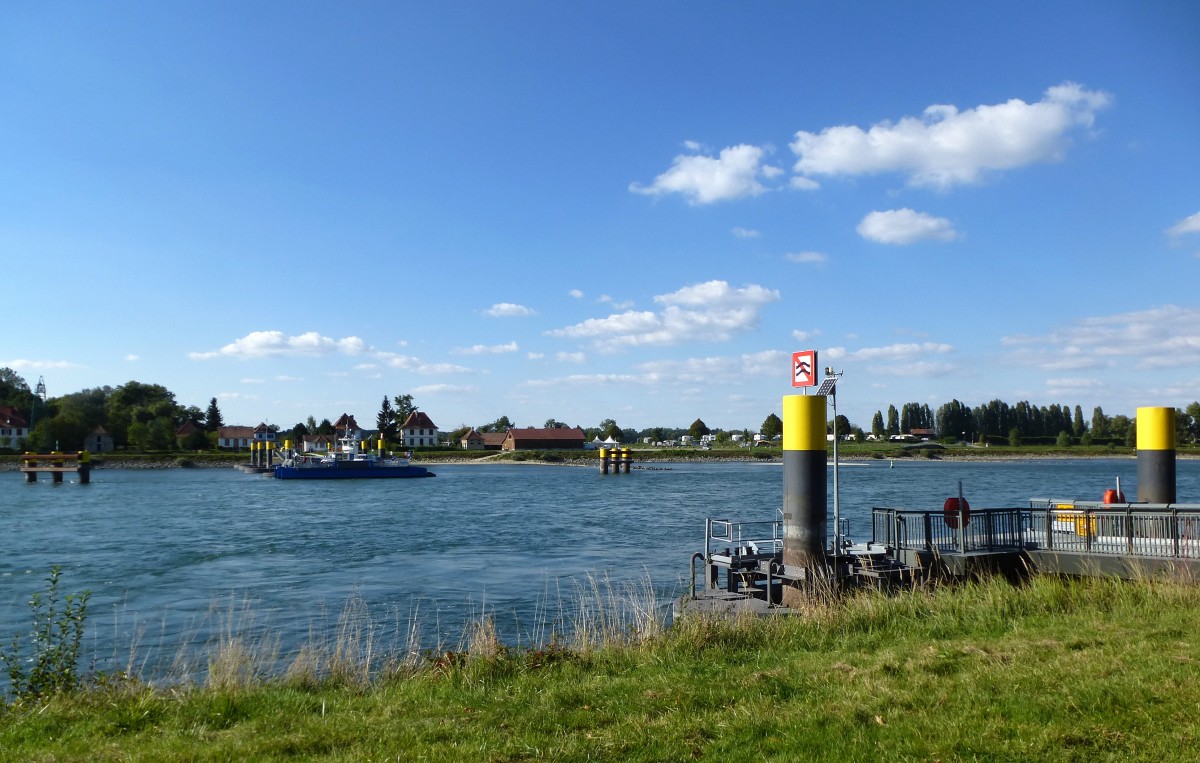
[
  {"x": 1156, "y": 455},
  {"x": 804, "y": 492}
]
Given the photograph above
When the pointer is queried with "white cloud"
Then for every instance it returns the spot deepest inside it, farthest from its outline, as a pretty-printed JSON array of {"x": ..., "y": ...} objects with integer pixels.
[
  {"x": 576, "y": 293},
  {"x": 734, "y": 174},
  {"x": 584, "y": 380},
  {"x": 807, "y": 258},
  {"x": 712, "y": 311},
  {"x": 416, "y": 365},
  {"x": 534, "y": 355},
  {"x": 741, "y": 232},
  {"x": 21, "y": 364},
  {"x": 604, "y": 299},
  {"x": 717, "y": 369},
  {"x": 446, "y": 389},
  {"x": 508, "y": 310},
  {"x": 1163, "y": 337},
  {"x": 488, "y": 349},
  {"x": 804, "y": 336},
  {"x": 905, "y": 226},
  {"x": 1074, "y": 385},
  {"x": 901, "y": 359},
  {"x": 801, "y": 183},
  {"x": 442, "y": 368},
  {"x": 900, "y": 351},
  {"x": 946, "y": 147},
  {"x": 132, "y": 358},
  {"x": 571, "y": 357},
  {"x": 265, "y": 344},
  {"x": 1189, "y": 224}
]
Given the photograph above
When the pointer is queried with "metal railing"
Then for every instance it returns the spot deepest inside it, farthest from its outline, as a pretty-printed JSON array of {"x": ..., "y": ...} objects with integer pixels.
[
  {"x": 923, "y": 530},
  {"x": 737, "y": 548},
  {"x": 1144, "y": 530},
  {"x": 1155, "y": 531},
  {"x": 761, "y": 537}
]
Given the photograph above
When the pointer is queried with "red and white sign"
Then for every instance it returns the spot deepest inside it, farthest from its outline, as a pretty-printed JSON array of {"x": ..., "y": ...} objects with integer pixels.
[{"x": 804, "y": 368}]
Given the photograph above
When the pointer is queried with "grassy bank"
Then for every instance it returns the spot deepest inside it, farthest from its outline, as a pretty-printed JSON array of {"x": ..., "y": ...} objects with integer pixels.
[{"x": 1055, "y": 670}]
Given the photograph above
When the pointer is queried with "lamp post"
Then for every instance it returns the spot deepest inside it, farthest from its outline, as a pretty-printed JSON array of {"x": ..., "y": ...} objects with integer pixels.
[{"x": 829, "y": 389}]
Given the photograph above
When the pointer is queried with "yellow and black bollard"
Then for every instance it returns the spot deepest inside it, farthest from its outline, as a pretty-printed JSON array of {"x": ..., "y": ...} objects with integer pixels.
[
  {"x": 1156, "y": 455},
  {"x": 805, "y": 495}
]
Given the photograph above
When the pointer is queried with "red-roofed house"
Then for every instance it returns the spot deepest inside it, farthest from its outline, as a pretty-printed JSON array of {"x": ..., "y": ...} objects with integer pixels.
[
  {"x": 472, "y": 440},
  {"x": 544, "y": 439},
  {"x": 13, "y": 428},
  {"x": 419, "y": 431},
  {"x": 346, "y": 425},
  {"x": 236, "y": 438},
  {"x": 493, "y": 440}
]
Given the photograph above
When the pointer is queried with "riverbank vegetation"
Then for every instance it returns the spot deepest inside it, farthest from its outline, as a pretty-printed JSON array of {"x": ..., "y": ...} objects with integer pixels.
[
  {"x": 146, "y": 418},
  {"x": 1053, "y": 670}
]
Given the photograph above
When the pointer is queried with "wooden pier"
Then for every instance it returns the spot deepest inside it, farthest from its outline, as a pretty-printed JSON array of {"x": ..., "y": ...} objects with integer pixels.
[{"x": 57, "y": 464}]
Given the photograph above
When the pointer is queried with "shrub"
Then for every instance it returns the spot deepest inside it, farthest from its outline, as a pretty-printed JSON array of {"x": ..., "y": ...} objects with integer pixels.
[{"x": 57, "y": 633}]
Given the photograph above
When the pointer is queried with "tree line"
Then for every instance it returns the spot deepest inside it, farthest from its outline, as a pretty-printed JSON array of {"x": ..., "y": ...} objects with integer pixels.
[{"x": 1025, "y": 422}]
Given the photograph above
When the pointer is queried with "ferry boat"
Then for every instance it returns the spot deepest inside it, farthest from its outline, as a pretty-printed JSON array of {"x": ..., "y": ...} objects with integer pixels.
[{"x": 347, "y": 460}]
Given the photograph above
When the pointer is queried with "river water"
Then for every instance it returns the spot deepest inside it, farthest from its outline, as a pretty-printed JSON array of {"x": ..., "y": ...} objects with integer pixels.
[{"x": 175, "y": 557}]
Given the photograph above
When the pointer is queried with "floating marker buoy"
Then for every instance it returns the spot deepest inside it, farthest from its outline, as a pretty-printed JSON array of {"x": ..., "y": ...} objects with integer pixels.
[
  {"x": 951, "y": 509},
  {"x": 1114, "y": 496}
]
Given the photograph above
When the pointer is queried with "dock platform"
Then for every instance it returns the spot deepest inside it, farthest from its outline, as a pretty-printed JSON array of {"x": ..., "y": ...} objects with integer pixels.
[
  {"x": 57, "y": 464},
  {"x": 741, "y": 569}
]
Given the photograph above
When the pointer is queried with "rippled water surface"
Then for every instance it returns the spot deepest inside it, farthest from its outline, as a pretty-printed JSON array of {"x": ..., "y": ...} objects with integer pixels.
[{"x": 168, "y": 554}]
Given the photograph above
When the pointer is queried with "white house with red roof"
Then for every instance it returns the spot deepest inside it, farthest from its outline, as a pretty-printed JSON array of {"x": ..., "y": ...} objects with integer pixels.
[
  {"x": 419, "y": 431},
  {"x": 13, "y": 427}
]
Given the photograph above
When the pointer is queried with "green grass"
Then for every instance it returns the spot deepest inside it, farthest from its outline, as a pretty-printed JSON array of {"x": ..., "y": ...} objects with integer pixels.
[{"x": 1090, "y": 670}]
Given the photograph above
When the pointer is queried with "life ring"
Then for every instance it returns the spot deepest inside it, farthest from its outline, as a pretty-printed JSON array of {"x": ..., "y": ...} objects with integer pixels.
[
  {"x": 1114, "y": 496},
  {"x": 951, "y": 510}
]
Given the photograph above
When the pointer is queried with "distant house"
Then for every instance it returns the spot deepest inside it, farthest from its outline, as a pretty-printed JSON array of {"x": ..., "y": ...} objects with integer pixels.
[
  {"x": 188, "y": 435},
  {"x": 13, "y": 428},
  {"x": 99, "y": 441},
  {"x": 234, "y": 437},
  {"x": 238, "y": 437},
  {"x": 544, "y": 439},
  {"x": 419, "y": 431},
  {"x": 317, "y": 442},
  {"x": 345, "y": 424},
  {"x": 264, "y": 435},
  {"x": 493, "y": 440},
  {"x": 472, "y": 440}
]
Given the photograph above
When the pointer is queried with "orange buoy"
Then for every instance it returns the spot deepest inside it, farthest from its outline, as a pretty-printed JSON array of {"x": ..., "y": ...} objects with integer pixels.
[
  {"x": 951, "y": 510},
  {"x": 1114, "y": 496}
]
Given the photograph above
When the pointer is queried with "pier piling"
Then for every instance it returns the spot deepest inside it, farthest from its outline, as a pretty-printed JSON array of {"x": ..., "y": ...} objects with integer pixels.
[
  {"x": 1156, "y": 455},
  {"x": 805, "y": 495}
]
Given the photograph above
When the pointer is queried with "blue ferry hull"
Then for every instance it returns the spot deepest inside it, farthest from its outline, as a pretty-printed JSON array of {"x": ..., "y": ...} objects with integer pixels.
[{"x": 348, "y": 470}]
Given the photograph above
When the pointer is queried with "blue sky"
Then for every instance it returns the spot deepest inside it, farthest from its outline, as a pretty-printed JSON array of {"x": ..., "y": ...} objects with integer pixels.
[{"x": 634, "y": 211}]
